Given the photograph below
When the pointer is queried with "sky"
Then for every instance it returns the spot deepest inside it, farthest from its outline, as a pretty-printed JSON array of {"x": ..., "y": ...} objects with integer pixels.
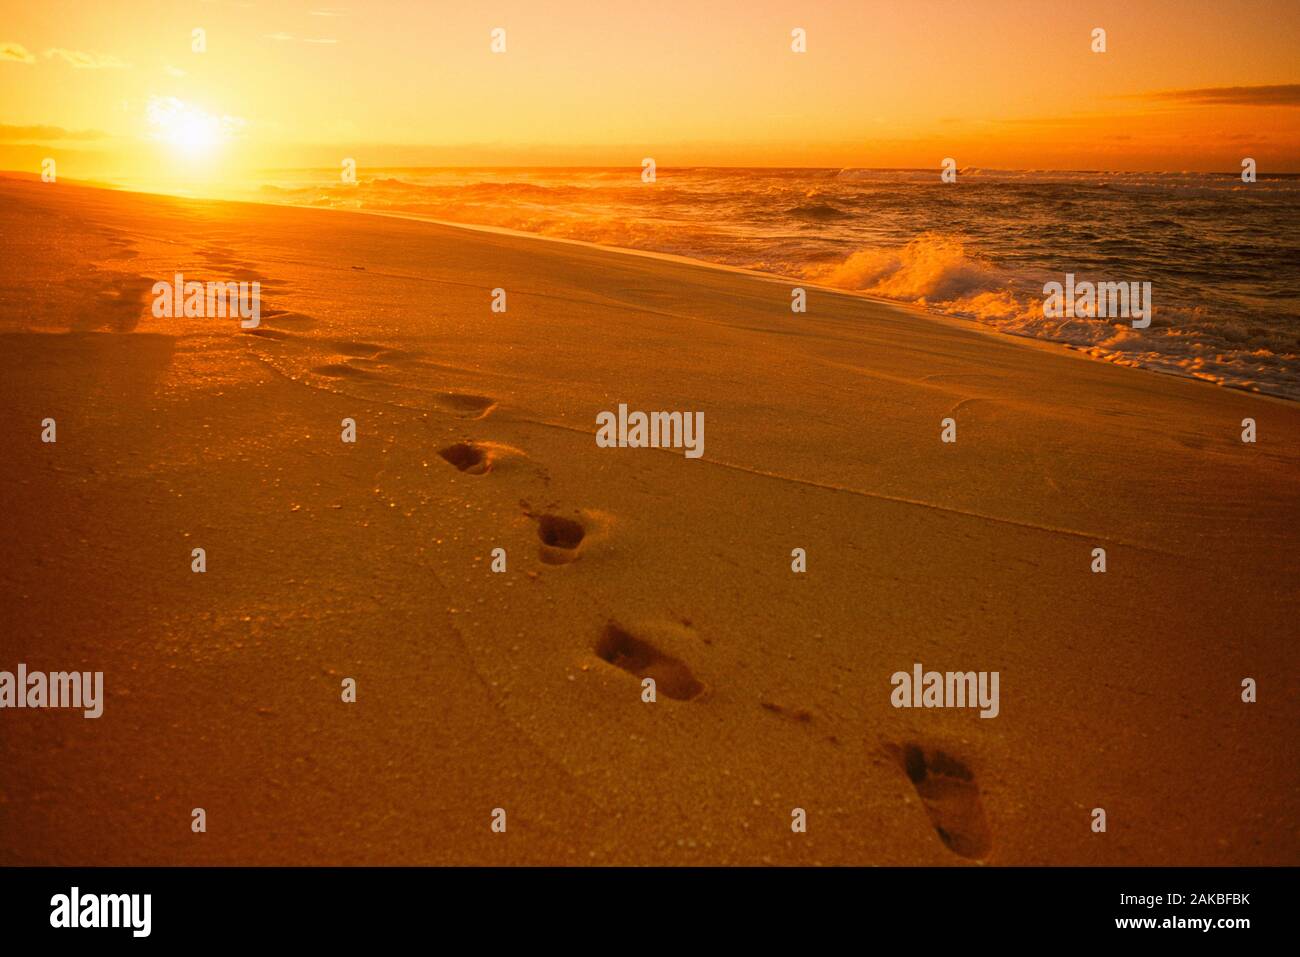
[{"x": 117, "y": 88}]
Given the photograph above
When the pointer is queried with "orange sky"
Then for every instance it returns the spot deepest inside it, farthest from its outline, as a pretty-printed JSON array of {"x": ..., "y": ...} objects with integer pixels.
[{"x": 115, "y": 88}]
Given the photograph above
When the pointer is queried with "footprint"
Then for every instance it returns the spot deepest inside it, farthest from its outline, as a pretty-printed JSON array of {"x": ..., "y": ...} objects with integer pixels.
[
  {"x": 222, "y": 262},
  {"x": 280, "y": 317},
  {"x": 801, "y": 715},
  {"x": 247, "y": 274},
  {"x": 336, "y": 370},
  {"x": 642, "y": 659},
  {"x": 121, "y": 250},
  {"x": 465, "y": 405},
  {"x": 399, "y": 355},
  {"x": 952, "y": 800},
  {"x": 560, "y": 538},
  {"x": 467, "y": 457},
  {"x": 118, "y": 303},
  {"x": 360, "y": 349}
]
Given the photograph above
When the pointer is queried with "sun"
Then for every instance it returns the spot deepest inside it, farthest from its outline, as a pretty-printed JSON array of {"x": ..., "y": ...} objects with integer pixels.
[
  {"x": 194, "y": 135},
  {"x": 187, "y": 129}
]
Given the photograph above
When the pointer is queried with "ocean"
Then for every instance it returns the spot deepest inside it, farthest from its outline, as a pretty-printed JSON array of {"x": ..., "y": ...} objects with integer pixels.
[{"x": 1222, "y": 256}]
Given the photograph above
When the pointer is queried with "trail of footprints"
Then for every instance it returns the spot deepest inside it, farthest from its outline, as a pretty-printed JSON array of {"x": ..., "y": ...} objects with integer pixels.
[
  {"x": 560, "y": 539},
  {"x": 945, "y": 785},
  {"x": 366, "y": 362},
  {"x": 350, "y": 361}
]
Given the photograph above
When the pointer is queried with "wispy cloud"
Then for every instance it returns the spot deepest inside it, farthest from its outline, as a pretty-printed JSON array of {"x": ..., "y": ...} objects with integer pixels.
[
  {"x": 328, "y": 13},
  {"x": 1284, "y": 94},
  {"x": 176, "y": 120},
  {"x": 81, "y": 60},
  {"x": 16, "y": 53},
  {"x": 173, "y": 71},
  {"x": 45, "y": 134},
  {"x": 289, "y": 37}
]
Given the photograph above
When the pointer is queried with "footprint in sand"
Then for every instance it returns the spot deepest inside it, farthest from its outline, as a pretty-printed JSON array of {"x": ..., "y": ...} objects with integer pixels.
[
  {"x": 368, "y": 360},
  {"x": 468, "y": 457},
  {"x": 465, "y": 405},
  {"x": 243, "y": 273},
  {"x": 283, "y": 317},
  {"x": 263, "y": 333},
  {"x": 561, "y": 539},
  {"x": 400, "y": 355},
  {"x": 339, "y": 370},
  {"x": 947, "y": 788},
  {"x": 478, "y": 458},
  {"x": 799, "y": 715},
  {"x": 366, "y": 350},
  {"x": 222, "y": 259},
  {"x": 638, "y": 657}
]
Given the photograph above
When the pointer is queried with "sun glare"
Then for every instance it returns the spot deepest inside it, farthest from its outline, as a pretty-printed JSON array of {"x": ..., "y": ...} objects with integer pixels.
[
  {"x": 194, "y": 134},
  {"x": 189, "y": 130}
]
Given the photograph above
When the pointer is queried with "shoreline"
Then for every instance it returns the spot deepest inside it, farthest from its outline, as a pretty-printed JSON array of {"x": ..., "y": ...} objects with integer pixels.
[{"x": 930, "y": 313}]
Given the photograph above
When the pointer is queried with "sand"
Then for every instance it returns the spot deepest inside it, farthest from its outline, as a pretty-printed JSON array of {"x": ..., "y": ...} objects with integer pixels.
[{"x": 521, "y": 690}]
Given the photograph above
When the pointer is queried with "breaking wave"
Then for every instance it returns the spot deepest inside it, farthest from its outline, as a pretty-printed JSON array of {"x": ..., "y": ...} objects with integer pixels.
[{"x": 939, "y": 273}]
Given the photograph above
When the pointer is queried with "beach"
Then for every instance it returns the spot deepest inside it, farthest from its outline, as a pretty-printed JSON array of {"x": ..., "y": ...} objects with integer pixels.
[{"x": 520, "y": 689}]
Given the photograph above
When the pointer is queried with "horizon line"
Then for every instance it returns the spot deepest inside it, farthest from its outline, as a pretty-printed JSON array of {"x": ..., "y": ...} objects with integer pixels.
[{"x": 695, "y": 166}]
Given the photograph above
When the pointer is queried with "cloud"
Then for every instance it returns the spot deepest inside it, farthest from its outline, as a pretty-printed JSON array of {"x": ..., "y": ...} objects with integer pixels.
[
  {"x": 328, "y": 13},
  {"x": 1079, "y": 120},
  {"x": 173, "y": 71},
  {"x": 290, "y": 36},
  {"x": 1284, "y": 94},
  {"x": 86, "y": 61},
  {"x": 15, "y": 53},
  {"x": 45, "y": 134},
  {"x": 172, "y": 118}
]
